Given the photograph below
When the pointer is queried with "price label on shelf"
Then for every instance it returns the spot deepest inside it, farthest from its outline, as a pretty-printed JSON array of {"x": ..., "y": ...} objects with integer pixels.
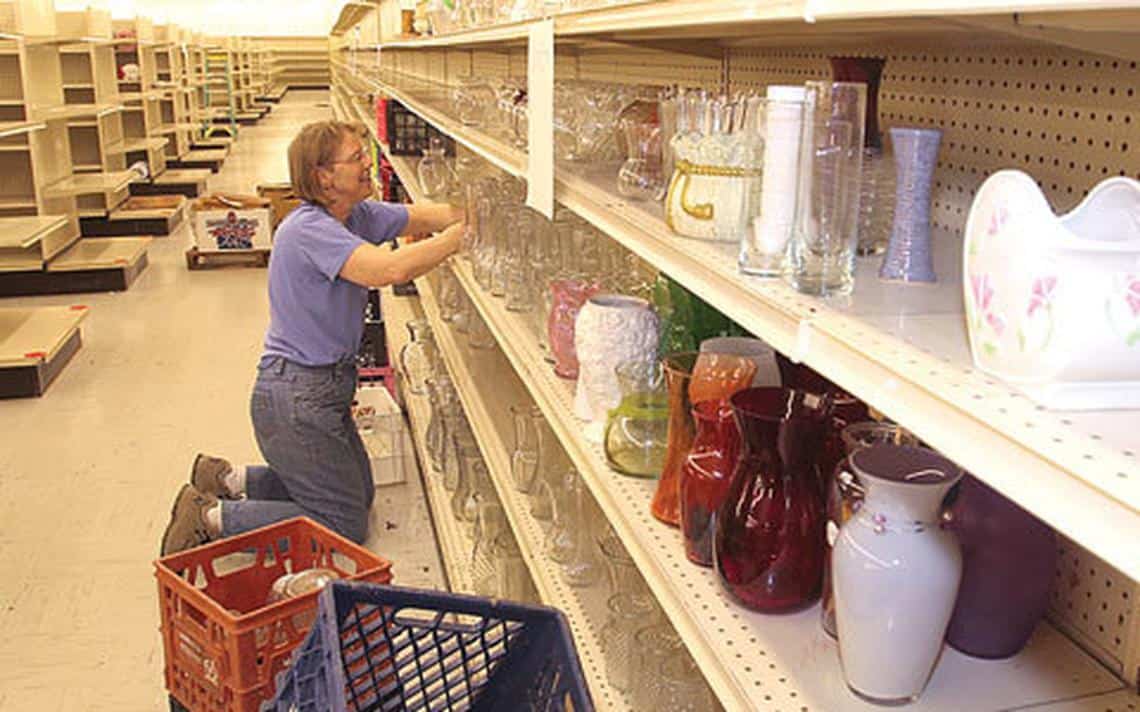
[{"x": 540, "y": 121}]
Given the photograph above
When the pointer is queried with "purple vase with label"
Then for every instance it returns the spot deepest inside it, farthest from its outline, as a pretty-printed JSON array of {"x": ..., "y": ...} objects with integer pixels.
[
  {"x": 1009, "y": 562},
  {"x": 910, "y": 256}
]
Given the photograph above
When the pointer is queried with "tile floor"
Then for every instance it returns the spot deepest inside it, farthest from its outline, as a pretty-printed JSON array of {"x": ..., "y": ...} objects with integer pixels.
[{"x": 88, "y": 472}]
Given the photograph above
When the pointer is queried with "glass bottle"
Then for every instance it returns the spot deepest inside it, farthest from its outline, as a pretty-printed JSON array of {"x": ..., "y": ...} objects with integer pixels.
[
  {"x": 419, "y": 358},
  {"x": 769, "y": 540},
  {"x": 692, "y": 377},
  {"x": 516, "y": 264},
  {"x": 706, "y": 475},
  {"x": 437, "y": 179},
  {"x": 514, "y": 582},
  {"x": 636, "y": 431},
  {"x": 479, "y": 489}
]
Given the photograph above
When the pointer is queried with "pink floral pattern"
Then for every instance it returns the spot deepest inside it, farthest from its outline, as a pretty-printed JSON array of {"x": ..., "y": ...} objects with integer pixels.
[
  {"x": 983, "y": 292},
  {"x": 997, "y": 220},
  {"x": 1042, "y": 294},
  {"x": 1132, "y": 293},
  {"x": 996, "y": 322}
]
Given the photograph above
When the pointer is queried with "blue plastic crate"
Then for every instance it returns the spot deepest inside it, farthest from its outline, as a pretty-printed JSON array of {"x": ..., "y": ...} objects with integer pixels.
[{"x": 392, "y": 648}]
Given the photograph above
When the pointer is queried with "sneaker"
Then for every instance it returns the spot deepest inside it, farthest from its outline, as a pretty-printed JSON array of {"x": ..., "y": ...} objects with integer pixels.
[
  {"x": 187, "y": 527},
  {"x": 208, "y": 474}
]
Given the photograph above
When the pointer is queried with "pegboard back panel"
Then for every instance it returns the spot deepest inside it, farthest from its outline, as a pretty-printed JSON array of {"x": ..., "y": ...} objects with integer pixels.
[
  {"x": 642, "y": 65},
  {"x": 1098, "y": 607},
  {"x": 1067, "y": 118}
]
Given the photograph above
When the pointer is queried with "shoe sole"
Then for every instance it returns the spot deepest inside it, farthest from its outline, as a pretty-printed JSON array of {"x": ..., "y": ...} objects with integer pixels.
[{"x": 173, "y": 509}]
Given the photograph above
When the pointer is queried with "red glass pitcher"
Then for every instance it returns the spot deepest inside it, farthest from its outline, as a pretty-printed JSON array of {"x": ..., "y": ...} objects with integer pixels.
[{"x": 769, "y": 539}]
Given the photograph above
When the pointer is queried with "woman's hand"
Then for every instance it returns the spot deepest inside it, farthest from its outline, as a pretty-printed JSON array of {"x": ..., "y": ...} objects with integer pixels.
[{"x": 431, "y": 217}]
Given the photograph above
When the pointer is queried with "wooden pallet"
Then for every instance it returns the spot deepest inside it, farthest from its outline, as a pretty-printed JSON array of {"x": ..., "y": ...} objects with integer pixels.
[
  {"x": 201, "y": 158},
  {"x": 198, "y": 259},
  {"x": 140, "y": 215},
  {"x": 35, "y": 345}
]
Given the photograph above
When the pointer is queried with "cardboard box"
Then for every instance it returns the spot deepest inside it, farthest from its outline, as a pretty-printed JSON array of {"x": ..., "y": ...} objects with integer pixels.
[
  {"x": 385, "y": 434},
  {"x": 282, "y": 200},
  {"x": 231, "y": 222}
]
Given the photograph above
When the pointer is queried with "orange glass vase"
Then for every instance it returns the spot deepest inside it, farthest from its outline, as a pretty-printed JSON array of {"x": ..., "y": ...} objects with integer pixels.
[{"x": 692, "y": 378}]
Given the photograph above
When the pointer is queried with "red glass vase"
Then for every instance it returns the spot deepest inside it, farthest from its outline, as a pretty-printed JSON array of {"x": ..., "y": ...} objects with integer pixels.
[
  {"x": 706, "y": 475},
  {"x": 768, "y": 546}
]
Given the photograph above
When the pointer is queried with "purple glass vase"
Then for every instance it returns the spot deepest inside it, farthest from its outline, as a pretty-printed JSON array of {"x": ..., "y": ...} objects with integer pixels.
[
  {"x": 1009, "y": 561},
  {"x": 910, "y": 256}
]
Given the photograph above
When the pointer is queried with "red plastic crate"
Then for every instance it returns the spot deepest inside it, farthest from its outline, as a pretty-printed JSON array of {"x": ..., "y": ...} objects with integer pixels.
[{"x": 223, "y": 645}]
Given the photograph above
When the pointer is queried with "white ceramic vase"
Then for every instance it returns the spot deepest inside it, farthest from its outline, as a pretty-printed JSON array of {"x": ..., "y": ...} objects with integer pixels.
[
  {"x": 896, "y": 573},
  {"x": 1053, "y": 301},
  {"x": 610, "y": 329}
]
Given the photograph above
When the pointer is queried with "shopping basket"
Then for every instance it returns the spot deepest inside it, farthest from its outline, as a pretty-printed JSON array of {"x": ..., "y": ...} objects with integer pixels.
[{"x": 376, "y": 647}]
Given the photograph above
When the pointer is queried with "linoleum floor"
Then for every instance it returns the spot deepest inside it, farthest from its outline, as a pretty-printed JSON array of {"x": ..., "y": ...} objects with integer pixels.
[{"x": 88, "y": 472}]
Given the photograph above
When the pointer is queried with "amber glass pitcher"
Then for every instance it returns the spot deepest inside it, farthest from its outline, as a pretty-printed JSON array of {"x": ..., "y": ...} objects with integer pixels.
[{"x": 692, "y": 377}]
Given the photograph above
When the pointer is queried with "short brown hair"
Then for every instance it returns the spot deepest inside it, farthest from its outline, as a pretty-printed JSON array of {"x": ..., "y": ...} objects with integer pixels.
[{"x": 314, "y": 147}]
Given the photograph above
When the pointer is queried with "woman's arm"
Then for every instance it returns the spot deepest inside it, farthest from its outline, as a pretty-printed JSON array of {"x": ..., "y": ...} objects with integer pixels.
[
  {"x": 378, "y": 266},
  {"x": 431, "y": 217}
]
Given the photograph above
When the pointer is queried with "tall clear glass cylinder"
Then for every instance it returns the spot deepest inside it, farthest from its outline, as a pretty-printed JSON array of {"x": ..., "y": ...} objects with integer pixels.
[{"x": 826, "y": 229}]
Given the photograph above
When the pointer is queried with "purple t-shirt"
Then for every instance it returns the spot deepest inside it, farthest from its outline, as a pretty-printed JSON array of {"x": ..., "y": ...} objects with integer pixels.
[{"x": 315, "y": 317}]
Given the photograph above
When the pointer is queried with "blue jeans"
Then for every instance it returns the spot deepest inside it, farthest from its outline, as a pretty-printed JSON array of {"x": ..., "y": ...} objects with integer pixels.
[{"x": 317, "y": 464}]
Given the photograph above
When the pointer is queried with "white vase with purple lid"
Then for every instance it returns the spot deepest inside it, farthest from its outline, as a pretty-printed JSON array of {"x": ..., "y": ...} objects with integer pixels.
[{"x": 896, "y": 573}]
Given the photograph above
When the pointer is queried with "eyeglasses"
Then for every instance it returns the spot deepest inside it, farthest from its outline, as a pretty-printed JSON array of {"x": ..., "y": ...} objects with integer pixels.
[{"x": 359, "y": 156}]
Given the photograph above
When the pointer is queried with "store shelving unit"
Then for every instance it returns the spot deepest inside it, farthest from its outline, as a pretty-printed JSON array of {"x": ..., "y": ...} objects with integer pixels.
[
  {"x": 144, "y": 130},
  {"x": 177, "y": 119},
  {"x": 295, "y": 62},
  {"x": 41, "y": 195},
  {"x": 969, "y": 70},
  {"x": 35, "y": 344},
  {"x": 454, "y": 545}
]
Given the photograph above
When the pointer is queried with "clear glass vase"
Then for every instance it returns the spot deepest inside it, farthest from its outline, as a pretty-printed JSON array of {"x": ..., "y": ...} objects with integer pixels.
[
  {"x": 472, "y": 98},
  {"x": 524, "y": 457},
  {"x": 583, "y": 569},
  {"x": 419, "y": 358},
  {"x": 437, "y": 179},
  {"x": 626, "y": 614},
  {"x": 443, "y": 400},
  {"x": 821, "y": 255},
  {"x": 637, "y": 429},
  {"x": 559, "y": 542},
  {"x": 640, "y": 176}
]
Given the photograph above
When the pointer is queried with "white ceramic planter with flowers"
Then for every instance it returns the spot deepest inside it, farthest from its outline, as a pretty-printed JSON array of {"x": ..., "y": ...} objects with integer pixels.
[{"x": 1053, "y": 302}]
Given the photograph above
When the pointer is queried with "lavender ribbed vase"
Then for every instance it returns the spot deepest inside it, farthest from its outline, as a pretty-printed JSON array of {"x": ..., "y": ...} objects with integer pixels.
[{"x": 909, "y": 255}]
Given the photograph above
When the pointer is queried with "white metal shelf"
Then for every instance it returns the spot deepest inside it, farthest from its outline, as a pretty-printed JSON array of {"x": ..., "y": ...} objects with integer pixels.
[
  {"x": 1084, "y": 486},
  {"x": 728, "y": 22},
  {"x": 455, "y": 546},
  {"x": 473, "y": 374},
  {"x": 787, "y": 659}
]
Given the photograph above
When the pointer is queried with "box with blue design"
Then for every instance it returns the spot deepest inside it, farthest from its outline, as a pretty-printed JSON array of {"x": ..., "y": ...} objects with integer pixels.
[{"x": 226, "y": 223}]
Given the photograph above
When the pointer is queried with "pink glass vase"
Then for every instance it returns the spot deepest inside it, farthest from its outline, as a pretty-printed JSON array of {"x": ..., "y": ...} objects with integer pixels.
[{"x": 568, "y": 296}]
